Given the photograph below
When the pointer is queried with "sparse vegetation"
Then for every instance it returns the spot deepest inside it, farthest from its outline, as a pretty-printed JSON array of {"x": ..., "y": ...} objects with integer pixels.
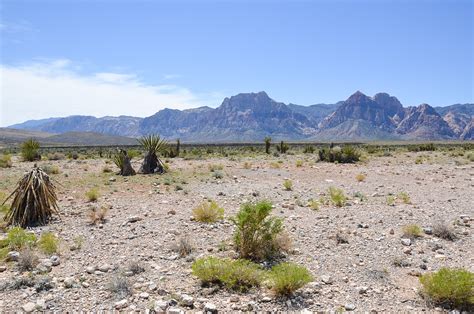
[
  {"x": 239, "y": 275},
  {"x": 299, "y": 163},
  {"x": 50, "y": 169},
  {"x": 93, "y": 195},
  {"x": 256, "y": 232},
  {"x": 404, "y": 197},
  {"x": 135, "y": 268},
  {"x": 412, "y": 231},
  {"x": 390, "y": 200},
  {"x": 154, "y": 145},
  {"x": 5, "y": 161},
  {"x": 268, "y": 143},
  {"x": 286, "y": 278},
  {"x": 48, "y": 243},
  {"x": 18, "y": 239},
  {"x": 360, "y": 177},
  {"x": 337, "y": 196},
  {"x": 27, "y": 260},
  {"x": 346, "y": 154},
  {"x": 208, "y": 211},
  {"x": 183, "y": 246},
  {"x": 453, "y": 288},
  {"x": 444, "y": 231},
  {"x": 122, "y": 160},
  {"x": 288, "y": 184},
  {"x": 30, "y": 150},
  {"x": 97, "y": 215},
  {"x": 120, "y": 286},
  {"x": 283, "y": 147}
]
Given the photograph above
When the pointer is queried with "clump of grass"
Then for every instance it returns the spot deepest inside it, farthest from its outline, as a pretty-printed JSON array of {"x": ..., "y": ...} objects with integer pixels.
[
  {"x": 286, "y": 278},
  {"x": 390, "y": 200},
  {"x": 275, "y": 165},
  {"x": 247, "y": 165},
  {"x": 93, "y": 195},
  {"x": 299, "y": 163},
  {"x": 50, "y": 169},
  {"x": 18, "y": 239},
  {"x": 404, "y": 197},
  {"x": 5, "y": 161},
  {"x": 183, "y": 246},
  {"x": 27, "y": 260},
  {"x": 412, "y": 231},
  {"x": 256, "y": 232},
  {"x": 120, "y": 286},
  {"x": 444, "y": 231},
  {"x": 78, "y": 242},
  {"x": 337, "y": 196},
  {"x": 208, "y": 212},
  {"x": 48, "y": 243},
  {"x": 29, "y": 150},
  {"x": 135, "y": 268},
  {"x": 449, "y": 287},
  {"x": 97, "y": 215},
  {"x": 360, "y": 177},
  {"x": 313, "y": 204},
  {"x": 239, "y": 275},
  {"x": 288, "y": 184},
  {"x": 400, "y": 261},
  {"x": 218, "y": 174},
  {"x": 215, "y": 167},
  {"x": 106, "y": 169}
]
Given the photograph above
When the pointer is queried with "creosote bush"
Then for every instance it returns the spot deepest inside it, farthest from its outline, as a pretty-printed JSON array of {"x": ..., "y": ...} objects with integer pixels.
[
  {"x": 286, "y": 278},
  {"x": 450, "y": 288},
  {"x": 256, "y": 233},
  {"x": 240, "y": 275},
  {"x": 208, "y": 211},
  {"x": 48, "y": 243}
]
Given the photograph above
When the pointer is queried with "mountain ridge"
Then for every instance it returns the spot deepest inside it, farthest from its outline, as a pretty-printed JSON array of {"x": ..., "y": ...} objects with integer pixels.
[{"x": 252, "y": 116}]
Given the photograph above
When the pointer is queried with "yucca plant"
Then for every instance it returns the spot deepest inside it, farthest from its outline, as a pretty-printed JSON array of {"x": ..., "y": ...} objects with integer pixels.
[
  {"x": 122, "y": 161},
  {"x": 29, "y": 150},
  {"x": 34, "y": 200},
  {"x": 153, "y": 145},
  {"x": 268, "y": 143}
]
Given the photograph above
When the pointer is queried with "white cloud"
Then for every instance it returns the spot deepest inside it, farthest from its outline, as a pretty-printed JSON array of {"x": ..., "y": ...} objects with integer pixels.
[{"x": 57, "y": 88}]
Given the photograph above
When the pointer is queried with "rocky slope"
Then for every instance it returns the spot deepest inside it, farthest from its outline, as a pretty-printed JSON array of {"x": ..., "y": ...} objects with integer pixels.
[{"x": 252, "y": 116}]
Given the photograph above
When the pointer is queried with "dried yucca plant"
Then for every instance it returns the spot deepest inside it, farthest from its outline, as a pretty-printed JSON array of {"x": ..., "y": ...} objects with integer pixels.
[{"x": 34, "y": 200}]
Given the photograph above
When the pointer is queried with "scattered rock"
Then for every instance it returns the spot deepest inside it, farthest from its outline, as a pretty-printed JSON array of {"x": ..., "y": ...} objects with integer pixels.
[
  {"x": 55, "y": 261},
  {"x": 121, "y": 304},
  {"x": 210, "y": 308},
  {"x": 29, "y": 307},
  {"x": 69, "y": 282},
  {"x": 350, "y": 307},
  {"x": 13, "y": 256},
  {"x": 326, "y": 279},
  {"x": 406, "y": 242}
]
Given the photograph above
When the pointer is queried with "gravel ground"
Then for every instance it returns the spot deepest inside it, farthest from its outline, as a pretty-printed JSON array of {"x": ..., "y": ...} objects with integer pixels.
[{"x": 148, "y": 214}]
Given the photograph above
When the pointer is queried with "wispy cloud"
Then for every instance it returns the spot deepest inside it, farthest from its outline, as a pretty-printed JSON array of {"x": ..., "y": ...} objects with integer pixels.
[
  {"x": 171, "y": 76},
  {"x": 58, "y": 88}
]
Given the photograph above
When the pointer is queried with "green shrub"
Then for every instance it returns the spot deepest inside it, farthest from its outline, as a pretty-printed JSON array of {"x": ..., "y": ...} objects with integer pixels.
[
  {"x": 449, "y": 287},
  {"x": 308, "y": 149},
  {"x": 93, "y": 195},
  {"x": 421, "y": 147},
  {"x": 286, "y": 278},
  {"x": 256, "y": 233},
  {"x": 239, "y": 275},
  {"x": 390, "y": 200},
  {"x": 288, "y": 185},
  {"x": 347, "y": 154},
  {"x": 48, "y": 243},
  {"x": 29, "y": 150},
  {"x": 337, "y": 196},
  {"x": 404, "y": 197},
  {"x": 5, "y": 161},
  {"x": 299, "y": 163},
  {"x": 208, "y": 211},
  {"x": 412, "y": 231},
  {"x": 283, "y": 147},
  {"x": 218, "y": 174},
  {"x": 50, "y": 169},
  {"x": 17, "y": 239}
]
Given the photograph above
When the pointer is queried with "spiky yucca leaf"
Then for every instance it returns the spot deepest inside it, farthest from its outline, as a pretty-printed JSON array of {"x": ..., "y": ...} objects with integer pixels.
[
  {"x": 34, "y": 200},
  {"x": 29, "y": 150},
  {"x": 153, "y": 143},
  {"x": 119, "y": 160}
]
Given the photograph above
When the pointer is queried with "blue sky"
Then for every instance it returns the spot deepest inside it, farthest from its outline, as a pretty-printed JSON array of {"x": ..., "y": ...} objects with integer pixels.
[{"x": 136, "y": 57}]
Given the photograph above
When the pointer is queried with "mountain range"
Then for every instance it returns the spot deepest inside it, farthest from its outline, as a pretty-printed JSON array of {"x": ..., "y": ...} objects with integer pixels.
[{"x": 252, "y": 116}]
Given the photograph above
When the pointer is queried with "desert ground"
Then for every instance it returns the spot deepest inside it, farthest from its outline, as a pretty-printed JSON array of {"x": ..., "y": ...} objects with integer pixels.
[{"x": 148, "y": 214}]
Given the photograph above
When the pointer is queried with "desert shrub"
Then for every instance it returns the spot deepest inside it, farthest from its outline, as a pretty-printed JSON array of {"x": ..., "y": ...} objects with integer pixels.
[
  {"x": 313, "y": 204},
  {"x": 421, "y": 147},
  {"x": 218, "y": 174},
  {"x": 299, "y": 163},
  {"x": 341, "y": 237},
  {"x": 215, "y": 167},
  {"x": 256, "y": 231},
  {"x": 48, "y": 243},
  {"x": 239, "y": 275},
  {"x": 288, "y": 184},
  {"x": 469, "y": 156},
  {"x": 444, "y": 231},
  {"x": 106, "y": 169},
  {"x": 390, "y": 200},
  {"x": 43, "y": 284},
  {"x": 29, "y": 150},
  {"x": 412, "y": 231},
  {"x": 183, "y": 246},
  {"x": 449, "y": 287},
  {"x": 419, "y": 160},
  {"x": 404, "y": 197},
  {"x": 120, "y": 286},
  {"x": 283, "y": 147},
  {"x": 308, "y": 149},
  {"x": 135, "y": 267},
  {"x": 286, "y": 278},
  {"x": 247, "y": 165},
  {"x": 401, "y": 261},
  {"x": 346, "y": 154},
  {"x": 18, "y": 238},
  {"x": 209, "y": 211},
  {"x": 93, "y": 194},
  {"x": 27, "y": 260},
  {"x": 268, "y": 143},
  {"x": 56, "y": 156},
  {"x": 97, "y": 215},
  {"x": 50, "y": 169},
  {"x": 77, "y": 243},
  {"x": 360, "y": 177},
  {"x": 5, "y": 161},
  {"x": 337, "y": 196}
]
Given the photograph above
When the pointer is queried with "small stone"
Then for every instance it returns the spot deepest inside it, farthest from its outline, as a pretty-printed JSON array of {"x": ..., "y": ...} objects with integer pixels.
[
  {"x": 112, "y": 179},
  {"x": 104, "y": 268},
  {"x": 210, "y": 308},
  {"x": 187, "y": 300},
  {"x": 45, "y": 266},
  {"x": 428, "y": 230},
  {"x": 362, "y": 290},
  {"x": 144, "y": 295},
  {"x": 407, "y": 250},
  {"x": 161, "y": 306},
  {"x": 55, "y": 261},
  {"x": 90, "y": 269},
  {"x": 174, "y": 310},
  {"x": 69, "y": 282},
  {"x": 121, "y": 304},
  {"x": 326, "y": 279},
  {"x": 266, "y": 299},
  {"x": 85, "y": 284},
  {"x": 29, "y": 307},
  {"x": 134, "y": 219},
  {"x": 13, "y": 256},
  {"x": 41, "y": 304},
  {"x": 406, "y": 242},
  {"x": 350, "y": 307},
  {"x": 3, "y": 268}
]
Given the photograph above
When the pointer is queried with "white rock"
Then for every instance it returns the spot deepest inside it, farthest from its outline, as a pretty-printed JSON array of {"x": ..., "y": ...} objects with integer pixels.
[
  {"x": 29, "y": 307},
  {"x": 187, "y": 300},
  {"x": 406, "y": 242},
  {"x": 326, "y": 279},
  {"x": 144, "y": 295},
  {"x": 210, "y": 308},
  {"x": 121, "y": 304}
]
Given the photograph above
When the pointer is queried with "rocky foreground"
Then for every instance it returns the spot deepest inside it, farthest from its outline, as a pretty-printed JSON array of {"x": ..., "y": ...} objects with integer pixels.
[{"x": 358, "y": 255}]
